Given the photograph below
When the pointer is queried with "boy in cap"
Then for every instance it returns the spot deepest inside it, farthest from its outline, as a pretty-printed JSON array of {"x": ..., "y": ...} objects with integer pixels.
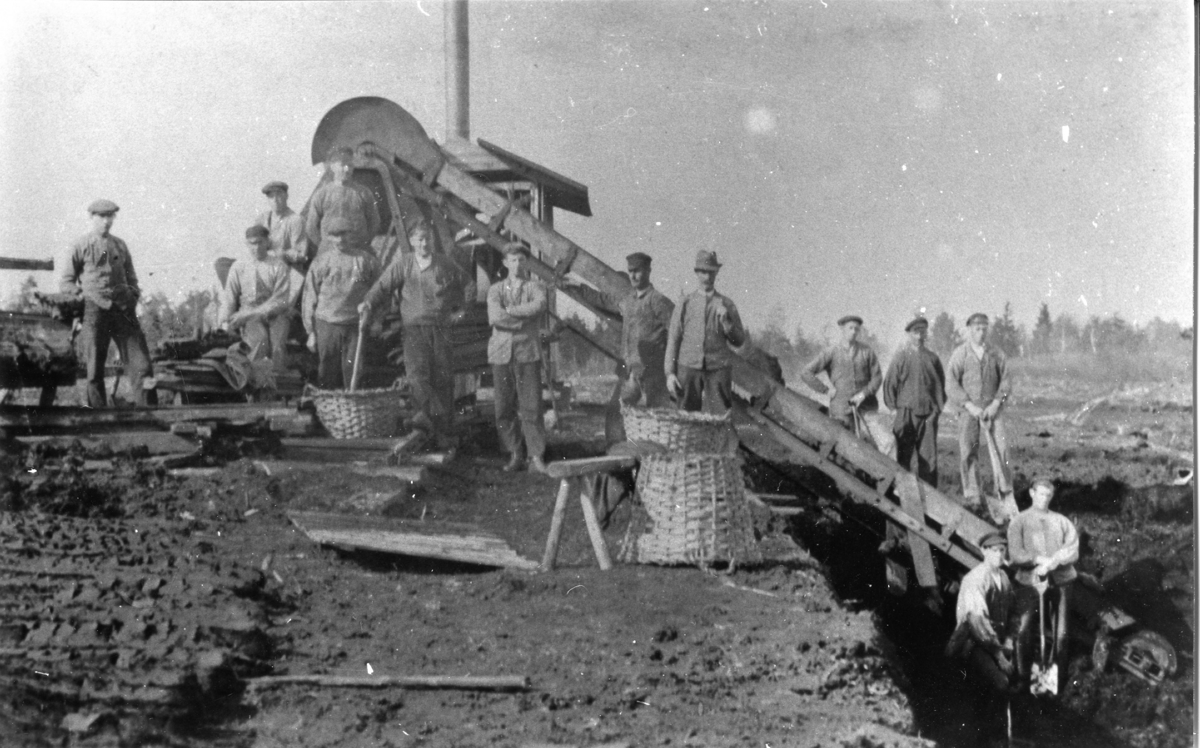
[
  {"x": 516, "y": 306},
  {"x": 257, "y": 298},
  {"x": 99, "y": 267},
  {"x": 342, "y": 198},
  {"x": 1043, "y": 547},
  {"x": 285, "y": 226},
  {"x": 983, "y": 641},
  {"x": 337, "y": 282},
  {"x": 703, "y": 326},
  {"x": 645, "y": 319},
  {"x": 915, "y": 389},
  {"x": 853, "y": 372},
  {"x": 434, "y": 293},
  {"x": 979, "y": 383}
]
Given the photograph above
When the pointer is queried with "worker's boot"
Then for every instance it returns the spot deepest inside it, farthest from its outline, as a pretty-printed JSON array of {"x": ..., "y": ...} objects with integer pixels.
[
  {"x": 514, "y": 464},
  {"x": 537, "y": 465}
]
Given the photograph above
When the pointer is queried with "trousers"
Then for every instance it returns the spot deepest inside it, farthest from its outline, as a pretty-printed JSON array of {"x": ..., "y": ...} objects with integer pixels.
[
  {"x": 717, "y": 383},
  {"x": 429, "y": 365},
  {"x": 650, "y": 383},
  {"x": 519, "y": 408},
  {"x": 267, "y": 338},
  {"x": 335, "y": 354},
  {"x": 917, "y": 434},
  {"x": 968, "y": 455},
  {"x": 120, "y": 327}
]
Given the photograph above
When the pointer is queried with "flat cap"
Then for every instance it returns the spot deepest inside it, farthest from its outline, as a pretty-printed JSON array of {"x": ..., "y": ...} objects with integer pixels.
[
  {"x": 257, "y": 232},
  {"x": 270, "y": 187},
  {"x": 638, "y": 260},
  {"x": 850, "y": 318},
  {"x": 517, "y": 248},
  {"x": 916, "y": 321},
  {"x": 977, "y": 317},
  {"x": 337, "y": 227},
  {"x": 103, "y": 207},
  {"x": 706, "y": 260},
  {"x": 992, "y": 538}
]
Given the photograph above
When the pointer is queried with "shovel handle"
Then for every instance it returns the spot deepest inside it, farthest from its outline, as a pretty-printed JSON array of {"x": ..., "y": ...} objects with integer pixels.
[{"x": 358, "y": 347}]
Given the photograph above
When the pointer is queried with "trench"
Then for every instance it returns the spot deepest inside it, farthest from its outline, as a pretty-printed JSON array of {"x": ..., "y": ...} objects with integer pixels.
[{"x": 845, "y": 537}]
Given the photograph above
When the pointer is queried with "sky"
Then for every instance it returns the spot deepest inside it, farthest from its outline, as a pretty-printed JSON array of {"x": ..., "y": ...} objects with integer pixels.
[{"x": 840, "y": 157}]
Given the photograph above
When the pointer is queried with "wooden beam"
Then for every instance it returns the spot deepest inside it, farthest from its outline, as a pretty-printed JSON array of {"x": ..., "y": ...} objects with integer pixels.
[
  {"x": 18, "y": 263},
  {"x": 471, "y": 682},
  {"x": 403, "y": 473},
  {"x": 32, "y": 420},
  {"x": 587, "y": 465},
  {"x": 451, "y": 542}
]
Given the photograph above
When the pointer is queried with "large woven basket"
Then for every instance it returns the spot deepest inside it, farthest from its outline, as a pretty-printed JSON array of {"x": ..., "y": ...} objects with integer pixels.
[
  {"x": 362, "y": 414},
  {"x": 696, "y": 512},
  {"x": 680, "y": 430}
]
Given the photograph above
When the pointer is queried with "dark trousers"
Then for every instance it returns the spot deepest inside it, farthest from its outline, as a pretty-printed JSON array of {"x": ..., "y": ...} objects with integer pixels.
[
  {"x": 120, "y": 327},
  {"x": 917, "y": 434},
  {"x": 429, "y": 364},
  {"x": 519, "y": 408},
  {"x": 650, "y": 382},
  {"x": 718, "y": 383},
  {"x": 335, "y": 354},
  {"x": 990, "y": 692},
  {"x": 1057, "y": 607}
]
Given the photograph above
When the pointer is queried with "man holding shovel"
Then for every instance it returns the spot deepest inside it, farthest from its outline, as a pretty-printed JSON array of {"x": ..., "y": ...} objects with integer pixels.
[
  {"x": 978, "y": 382},
  {"x": 1043, "y": 546}
]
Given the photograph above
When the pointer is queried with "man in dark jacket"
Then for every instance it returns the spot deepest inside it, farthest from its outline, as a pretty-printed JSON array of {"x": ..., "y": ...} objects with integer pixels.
[{"x": 915, "y": 388}]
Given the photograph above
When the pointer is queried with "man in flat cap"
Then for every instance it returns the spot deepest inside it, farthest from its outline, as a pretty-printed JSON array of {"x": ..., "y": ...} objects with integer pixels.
[
  {"x": 703, "y": 326},
  {"x": 434, "y": 294},
  {"x": 516, "y": 307},
  {"x": 336, "y": 283},
  {"x": 915, "y": 389},
  {"x": 983, "y": 641},
  {"x": 342, "y": 198},
  {"x": 853, "y": 372},
  {"x": 979, "y": 384},
  {"x": 257, "y": 300},
  {"x": 645, "y": 319},
  {"x": 99, "y": 267},
  {"x": 288, "y": 242}
]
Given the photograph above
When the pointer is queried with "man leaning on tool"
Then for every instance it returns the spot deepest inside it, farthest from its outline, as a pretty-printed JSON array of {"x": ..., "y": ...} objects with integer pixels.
[
  {"x": 336, "y": 284},
  {"x": 516, "y": 306},
  {"x": 853, "y": 370},
  {"x": 1043, "y": 546},
  {"x": 646, "y": 318},
  {"x": 703, "y": 326},
  {"x": 978, "y": 382},
  {"x": 342, "y": 198},
  {"x": 257, "y": 298},
  {"x": 434, "y": 293},
  {"x": 99, "y": 267},
  {"x": 915, "y": 388},
  {"x": 983, "y": 640}
]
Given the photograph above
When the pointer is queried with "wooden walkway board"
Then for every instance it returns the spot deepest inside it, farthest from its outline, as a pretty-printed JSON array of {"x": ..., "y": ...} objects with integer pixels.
[{"x": 450, "y": 541}]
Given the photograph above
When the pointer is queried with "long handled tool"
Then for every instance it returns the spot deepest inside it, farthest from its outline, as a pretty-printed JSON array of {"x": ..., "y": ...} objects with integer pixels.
[
  {"x": 358, "y": 348},
  {"x": 861, "y": 429},
  {"x": 1044, "y": 674},
  {"x": 1005, "y": 505}
]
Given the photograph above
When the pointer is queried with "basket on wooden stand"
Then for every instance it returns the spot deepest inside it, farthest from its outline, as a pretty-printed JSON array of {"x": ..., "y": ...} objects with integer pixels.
[
  {"x": 680, "y": 430},
  {"x": 696, "y": 511},
  {"x": 359, "y": 414}
]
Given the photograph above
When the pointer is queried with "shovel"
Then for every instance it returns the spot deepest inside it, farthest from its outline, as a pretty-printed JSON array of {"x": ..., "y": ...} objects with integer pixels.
[
  {"x": 1004, "y": 507},
  {"x": 1043, "y": 678},
  {"x": 358, "y": 348},
  {"x": 861, "y": 429}
]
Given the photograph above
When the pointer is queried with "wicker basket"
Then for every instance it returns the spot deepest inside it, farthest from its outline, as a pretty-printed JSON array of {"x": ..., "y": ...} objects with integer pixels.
[
  {"x": 362, "y": 414},
  {"x": 681, "y": 430},
  {"x": 696, "y": 512}
]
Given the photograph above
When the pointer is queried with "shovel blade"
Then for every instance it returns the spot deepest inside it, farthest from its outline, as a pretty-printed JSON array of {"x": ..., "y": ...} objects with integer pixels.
[{"x": 1044, "y": 681}]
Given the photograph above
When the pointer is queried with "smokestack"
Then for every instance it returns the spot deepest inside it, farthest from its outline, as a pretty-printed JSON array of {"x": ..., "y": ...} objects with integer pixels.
[{"x": 458, "y": 72}]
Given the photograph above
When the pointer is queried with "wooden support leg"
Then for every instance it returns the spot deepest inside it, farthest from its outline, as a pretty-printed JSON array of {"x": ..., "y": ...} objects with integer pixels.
[
  {"x": 593, "y": 526},
  {"x": 556, "y": 523},
  {"x": 911, "y": 501}
]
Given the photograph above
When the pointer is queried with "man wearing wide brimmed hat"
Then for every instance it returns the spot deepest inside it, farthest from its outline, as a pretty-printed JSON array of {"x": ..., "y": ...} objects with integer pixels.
[
  {"x": 645, "y": 320},
  {"x": 703, "y": 326},
  {"x": 342, "y": 198},
  {"x": 978, "y": 382},
  {"x": 853, "y": 372},
  {"x": 984, "y": 638},
  {"x": 915, "y": 389},
  {"x": 257, "y": 300},
  {"x": 98, "y": 266}
]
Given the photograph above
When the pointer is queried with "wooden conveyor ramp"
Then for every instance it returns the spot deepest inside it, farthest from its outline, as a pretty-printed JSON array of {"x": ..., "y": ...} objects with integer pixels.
[{"x": 786, "y": 426}]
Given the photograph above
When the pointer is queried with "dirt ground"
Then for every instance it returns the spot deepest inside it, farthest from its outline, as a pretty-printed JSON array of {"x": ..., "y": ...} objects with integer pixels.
[{"x": 139, "y": 603}]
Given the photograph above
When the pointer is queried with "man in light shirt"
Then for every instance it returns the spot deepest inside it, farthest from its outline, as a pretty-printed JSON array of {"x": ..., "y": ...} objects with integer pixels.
[{"x": 257, "y": 299}]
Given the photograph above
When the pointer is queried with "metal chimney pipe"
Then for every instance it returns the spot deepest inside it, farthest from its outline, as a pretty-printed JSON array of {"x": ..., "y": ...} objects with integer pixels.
[{"x": 458, "y": 71}]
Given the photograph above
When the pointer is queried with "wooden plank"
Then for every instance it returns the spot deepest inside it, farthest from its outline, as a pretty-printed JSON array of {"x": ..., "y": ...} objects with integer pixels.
[
  {"x": 569, "y": 468},
  {"x": 403, "y": 473},
  {"x": 19, "y": 263},
  {"x": 908, "y": 488},
  {"x": 453, "y": 542},
  {"x": 34, "y": 420},
  {"x": 593, "y": 526},
  {"x": 472, "y": 682},
  {"x": 153, "y": 442},
  {"x": 565, "y": 487}
]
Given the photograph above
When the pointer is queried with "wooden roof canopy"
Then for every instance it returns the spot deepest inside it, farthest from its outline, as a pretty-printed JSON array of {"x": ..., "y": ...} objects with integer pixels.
[{"x": 490, "y": 163}]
